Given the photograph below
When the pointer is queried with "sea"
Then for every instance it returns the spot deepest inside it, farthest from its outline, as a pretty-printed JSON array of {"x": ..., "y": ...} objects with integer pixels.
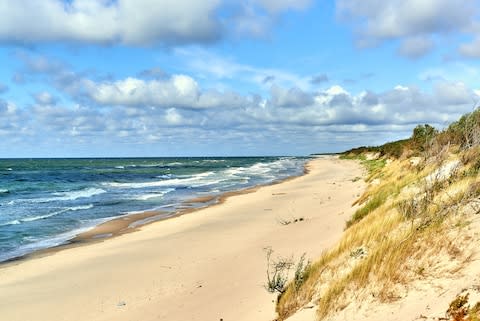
[{"x": 46, "y": 202}]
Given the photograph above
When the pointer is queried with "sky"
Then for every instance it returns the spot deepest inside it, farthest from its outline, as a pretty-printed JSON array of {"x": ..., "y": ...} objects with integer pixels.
[{"x": 120, "y": 78}]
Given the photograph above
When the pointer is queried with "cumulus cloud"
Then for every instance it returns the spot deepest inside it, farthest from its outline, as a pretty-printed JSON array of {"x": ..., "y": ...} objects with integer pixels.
[
  {"x": 177, "y": 91},
  {"x": 293, "y": 97},
  {"x": 413, "y": 21},
  {"x": 178, "y": 108},
  {"x": 131, "y": 22},
  {"x": 454, "y": 94},
  {"x": 173, "y": 117},
  {"x": 369, "y": 98}
]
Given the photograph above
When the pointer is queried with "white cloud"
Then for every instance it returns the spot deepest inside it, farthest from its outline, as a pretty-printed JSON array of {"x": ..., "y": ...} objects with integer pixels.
[
  {"x": 178, "y": 91},
  {"x": 396, "y": 18},
  {"x": 414, "y": 22},
  {"x": 180, "y": 108},
  {"x": 102, "y": 21},
  {"x": 173, "y": 117},
  {"x": 293, "y": 97},
  {"x": 130, "y": 22},
  {"x": 454, "y": 94}
]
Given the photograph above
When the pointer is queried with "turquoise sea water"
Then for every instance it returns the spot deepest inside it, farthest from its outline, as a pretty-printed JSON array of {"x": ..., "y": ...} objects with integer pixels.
[{"x": 46, "y": 202}]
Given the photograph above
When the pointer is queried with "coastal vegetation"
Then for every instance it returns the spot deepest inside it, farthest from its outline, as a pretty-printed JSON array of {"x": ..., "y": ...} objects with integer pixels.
[{"x": 417, "y": 213}]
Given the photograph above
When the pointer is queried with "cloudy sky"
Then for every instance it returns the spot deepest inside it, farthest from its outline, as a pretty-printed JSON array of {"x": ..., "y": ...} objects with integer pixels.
[{"x": 83, "y": 78}]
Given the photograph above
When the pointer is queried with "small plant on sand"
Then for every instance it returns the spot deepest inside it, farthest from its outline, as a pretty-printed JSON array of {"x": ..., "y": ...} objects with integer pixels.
[
  {"x": 277, "y": 272},
  {"x": 460, "y": 310},
  {"x": 301, "y": 272}
]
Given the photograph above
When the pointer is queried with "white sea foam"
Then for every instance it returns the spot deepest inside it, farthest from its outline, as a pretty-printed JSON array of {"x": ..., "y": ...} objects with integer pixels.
[
  {"x": 4, "y": 191},
  {"x": 62, "y": 196},
  {"x": 197, "y": 180},
  {"x": 148, "y": 196},
  {"x": 82, "y": 207},
  {"x": 74, "y": 195},
  {"x": 14, "y": 222},
  {"x": 174, "y": 164},
  {"x": 41, "y": 217},
  {"x": 148, "y": 165}
]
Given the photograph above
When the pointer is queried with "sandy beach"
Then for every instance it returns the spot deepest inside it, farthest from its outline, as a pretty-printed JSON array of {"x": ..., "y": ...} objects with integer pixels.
[{"x": 207, "y": 265}]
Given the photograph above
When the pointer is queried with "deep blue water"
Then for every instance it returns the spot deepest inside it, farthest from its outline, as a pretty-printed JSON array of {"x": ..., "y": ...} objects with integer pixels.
[{"x": 46, "y": 202}]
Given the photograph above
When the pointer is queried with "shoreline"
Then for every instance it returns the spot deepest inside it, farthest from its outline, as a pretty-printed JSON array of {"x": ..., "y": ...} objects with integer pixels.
[
  {"x": 129, "y": 223},
  {"x": 207, "y": 266}
]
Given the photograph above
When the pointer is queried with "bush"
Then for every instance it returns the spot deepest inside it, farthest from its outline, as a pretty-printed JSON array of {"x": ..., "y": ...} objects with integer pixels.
[{"x": 422, "y": 137}]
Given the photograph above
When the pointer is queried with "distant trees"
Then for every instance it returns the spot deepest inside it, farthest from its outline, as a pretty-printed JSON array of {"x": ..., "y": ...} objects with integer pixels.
[
  {"x": 426, "y": 140},
  {"x": 422, "y": 137},
  {"x": 466, "y": 131}
]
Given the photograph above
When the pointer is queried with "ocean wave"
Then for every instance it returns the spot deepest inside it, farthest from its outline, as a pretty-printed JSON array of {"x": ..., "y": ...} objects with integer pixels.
[
  {"x": 148, "y": 196},
  {"x": 41, "y": 217},
  {"x": 14, "y": 222},
  {"x": 81, "y": 207},
  {"x": 61, "y": 196},
  {"x": 174, "y": 164},
  {"x": 202, "y": 179},
  {"x": 4, "y": 191},
  {"x": 74, "y": 195},
  {"x": 161, "y": 165}
]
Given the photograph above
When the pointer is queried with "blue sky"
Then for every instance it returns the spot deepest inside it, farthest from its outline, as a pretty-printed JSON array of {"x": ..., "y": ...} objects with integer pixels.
[{"x": 98, "y": 78}]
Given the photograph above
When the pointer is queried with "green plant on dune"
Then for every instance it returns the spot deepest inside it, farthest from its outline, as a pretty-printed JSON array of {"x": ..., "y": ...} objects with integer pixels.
[{"x": 277, "y": 272}]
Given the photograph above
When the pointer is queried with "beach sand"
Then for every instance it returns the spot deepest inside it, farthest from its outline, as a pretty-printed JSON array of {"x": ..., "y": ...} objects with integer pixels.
[{"x": 207, "y": 265}]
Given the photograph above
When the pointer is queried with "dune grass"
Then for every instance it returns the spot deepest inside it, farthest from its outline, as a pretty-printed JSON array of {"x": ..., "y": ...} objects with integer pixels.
[{"x": 404, "y": 223}]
